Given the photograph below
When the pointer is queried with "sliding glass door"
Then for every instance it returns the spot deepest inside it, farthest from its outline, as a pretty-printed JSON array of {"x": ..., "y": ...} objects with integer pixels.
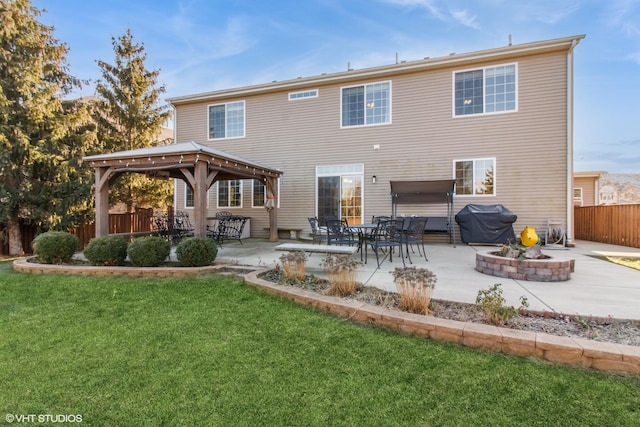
[{"x": 339, "y": 192}]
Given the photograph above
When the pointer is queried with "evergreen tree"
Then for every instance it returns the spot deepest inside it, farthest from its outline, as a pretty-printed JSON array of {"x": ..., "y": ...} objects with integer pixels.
[
  {"x": 42, "y": 138},
  {"x": 129, "y": 118}
]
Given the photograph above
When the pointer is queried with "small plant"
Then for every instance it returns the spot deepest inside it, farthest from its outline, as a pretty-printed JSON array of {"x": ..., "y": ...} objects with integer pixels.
[
  {"x": 293, "y": 266},
  {"x": 196, "y": 251},
  {"x": 106, "y": 250},
  {"x": 415, "y": 287},
  {"x": 341, "y": 269},
  {"x": 492, "y": 303},
  {"x": 150, "y": 251},
  {"x": 55, "y": 247}
]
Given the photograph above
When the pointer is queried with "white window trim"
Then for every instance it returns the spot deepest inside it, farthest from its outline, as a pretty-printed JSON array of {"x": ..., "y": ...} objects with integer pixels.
[
  {"x": 186, "y": 188},
  {"x": 241, "y": 195},
  {"x": 484, "y": 94},
  {"x": 495, "y": 168},
  {"x": 304, "y": 94},
  {"x": 579, "y": 198},
  {"x": 244, "y": 122},
  {"x": 365, "y": 86}
]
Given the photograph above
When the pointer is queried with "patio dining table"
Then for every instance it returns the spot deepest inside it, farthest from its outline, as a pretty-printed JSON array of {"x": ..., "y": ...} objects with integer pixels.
[{"x": 364, "y": 232}]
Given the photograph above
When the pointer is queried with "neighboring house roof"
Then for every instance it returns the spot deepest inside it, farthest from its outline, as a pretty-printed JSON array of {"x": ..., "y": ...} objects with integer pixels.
[
  {"x": 560, "y": 44},
  {"x": 592, "y": 174}
]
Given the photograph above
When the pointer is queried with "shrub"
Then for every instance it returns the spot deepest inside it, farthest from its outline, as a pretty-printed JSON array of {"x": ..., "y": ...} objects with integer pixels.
[
  {"x": 293, "y": 266},
  {"x": 196, "y": 251},
  {"x": 150, "y": 251},
  {"x": 415, "y": 287},
  {"x": 492, "y": 303},
  {"x": 106, "y": 250},
  {"x": 55, "y": 247},
  {"x": 342, "y": 274}
]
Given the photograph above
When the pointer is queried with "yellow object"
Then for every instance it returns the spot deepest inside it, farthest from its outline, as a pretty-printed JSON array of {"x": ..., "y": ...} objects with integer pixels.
[{"x": 529, "y": 237}]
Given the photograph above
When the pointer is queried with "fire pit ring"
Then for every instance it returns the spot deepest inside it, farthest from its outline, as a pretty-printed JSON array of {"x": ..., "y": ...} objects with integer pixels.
[{"x": 539, "y": 270}]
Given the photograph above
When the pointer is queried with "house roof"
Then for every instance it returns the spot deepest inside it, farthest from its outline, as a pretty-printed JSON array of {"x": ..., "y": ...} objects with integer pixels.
[
  {"x": 176, "y": 156},
  {"x": 501, "y": 53}
]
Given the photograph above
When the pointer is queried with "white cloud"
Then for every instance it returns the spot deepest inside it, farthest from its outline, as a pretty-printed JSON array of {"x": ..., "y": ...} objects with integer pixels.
[{"x": 462, "y": 16}]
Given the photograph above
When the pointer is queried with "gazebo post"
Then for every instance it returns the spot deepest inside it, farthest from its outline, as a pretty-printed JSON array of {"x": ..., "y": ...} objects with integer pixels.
[
  {"x": 272, "y": 202},
  {"x": 102, "y": 201},
  {"x": 200, "y": 199}
]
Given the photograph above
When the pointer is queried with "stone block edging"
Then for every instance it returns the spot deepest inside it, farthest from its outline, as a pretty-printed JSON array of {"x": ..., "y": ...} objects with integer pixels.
[
  {"x": 24, "y": 266},
  {"x": 604, "y": 356}
]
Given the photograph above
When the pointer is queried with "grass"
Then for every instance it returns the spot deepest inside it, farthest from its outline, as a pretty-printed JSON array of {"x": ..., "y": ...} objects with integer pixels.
[
  {"x": 212, "y": 351},
  {"x": 627, "y": 262}
]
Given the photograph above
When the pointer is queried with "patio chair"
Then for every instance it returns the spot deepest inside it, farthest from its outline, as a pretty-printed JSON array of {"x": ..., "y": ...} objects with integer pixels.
[
  {"x": 316, "y": 232},
  {"x": 414, "y": 235},
  {"x": 386, "y": 238},
  {"x": 230, "y": 228},
  {"x": 339, "y": 233}
]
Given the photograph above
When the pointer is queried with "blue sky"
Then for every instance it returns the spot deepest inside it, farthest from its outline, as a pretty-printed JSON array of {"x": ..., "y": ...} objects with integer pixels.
[{"x": 206, "y": 45}]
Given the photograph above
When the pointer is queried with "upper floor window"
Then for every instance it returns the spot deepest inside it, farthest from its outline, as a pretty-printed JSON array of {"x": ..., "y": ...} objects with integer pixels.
[
  {"x": 366, "y": 105},
  {"x": 226, "y": 120},
  {"x": 485, "y": 90},
  {"x": 230, "y": 194},
  {"x": 303, "y": 95},
  {"x": 475, "y": 177}
]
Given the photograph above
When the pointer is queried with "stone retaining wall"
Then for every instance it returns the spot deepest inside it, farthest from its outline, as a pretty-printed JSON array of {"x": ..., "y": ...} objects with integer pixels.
[{"x": 537, "y": 270}]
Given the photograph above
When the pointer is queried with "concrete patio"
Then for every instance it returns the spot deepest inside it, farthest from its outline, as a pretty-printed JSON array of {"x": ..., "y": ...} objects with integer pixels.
[{"x": 596, "y": 288}]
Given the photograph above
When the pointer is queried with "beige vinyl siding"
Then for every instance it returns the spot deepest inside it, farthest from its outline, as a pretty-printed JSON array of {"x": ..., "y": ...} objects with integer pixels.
[
  {"x": 588, "y": 185},
  {"x": 420, "y": 143}
]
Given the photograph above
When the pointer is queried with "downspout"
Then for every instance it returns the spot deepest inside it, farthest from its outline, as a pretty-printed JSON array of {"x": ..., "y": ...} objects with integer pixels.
[{"x": 569, "y": 202}]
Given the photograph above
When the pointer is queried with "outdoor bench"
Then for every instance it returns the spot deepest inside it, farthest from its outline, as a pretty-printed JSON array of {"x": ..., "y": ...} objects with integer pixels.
[
  {"x": 325, "y": 249},
  {"x": 293, "y": 231}
]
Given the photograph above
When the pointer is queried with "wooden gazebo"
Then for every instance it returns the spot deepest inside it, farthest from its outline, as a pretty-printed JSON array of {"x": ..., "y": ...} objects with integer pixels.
[{"x": 197, "y": 165}]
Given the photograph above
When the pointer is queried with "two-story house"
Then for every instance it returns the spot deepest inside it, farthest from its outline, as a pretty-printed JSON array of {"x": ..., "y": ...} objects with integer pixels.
[{"x": 499, "y": 122}]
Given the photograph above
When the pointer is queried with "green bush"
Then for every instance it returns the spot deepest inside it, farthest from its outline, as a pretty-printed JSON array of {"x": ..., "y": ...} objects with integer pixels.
[
  {"x": 196, "y": 251},
  {"x": 106, "y": 250},
  {"x": 148, "y": 251},
  {"x": 55, "y": 247}
]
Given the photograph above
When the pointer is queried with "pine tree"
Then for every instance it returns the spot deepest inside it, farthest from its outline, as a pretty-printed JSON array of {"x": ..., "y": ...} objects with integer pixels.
[
  {"x": 129, "y": 118},
  {"x": 41, "y": 137}
]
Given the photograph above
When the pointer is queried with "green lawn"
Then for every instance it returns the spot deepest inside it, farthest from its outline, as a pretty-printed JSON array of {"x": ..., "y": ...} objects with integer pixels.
[{"x": 211, "y": 351}]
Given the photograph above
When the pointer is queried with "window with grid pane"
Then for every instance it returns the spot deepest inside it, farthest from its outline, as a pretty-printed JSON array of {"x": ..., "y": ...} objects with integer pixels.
[
  {"x": 486, "y": 90},
  {"x": 230, "y": 194},
  {"x": 259, "y": 193},
  {"x": 366, "y": 105},
  {"x": 475, "y": 177},
  {"x": 226, "y": 120}
]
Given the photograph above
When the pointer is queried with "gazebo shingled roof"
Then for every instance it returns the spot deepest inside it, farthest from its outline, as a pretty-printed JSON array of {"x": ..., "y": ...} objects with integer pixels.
[{"x": 198, "y": 165}]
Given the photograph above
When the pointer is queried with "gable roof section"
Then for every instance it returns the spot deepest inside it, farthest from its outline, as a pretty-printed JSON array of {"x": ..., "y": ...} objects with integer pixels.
[{"x": 385, "y": 71}]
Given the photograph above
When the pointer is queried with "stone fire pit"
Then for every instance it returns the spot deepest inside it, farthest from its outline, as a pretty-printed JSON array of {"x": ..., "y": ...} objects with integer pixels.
[{"x": 548, "y": 269}]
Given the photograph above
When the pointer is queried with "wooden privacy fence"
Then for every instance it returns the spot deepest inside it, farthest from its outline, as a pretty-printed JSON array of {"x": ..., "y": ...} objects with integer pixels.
[
  {"x": 139, "y": 221},
  {"x": 616, "y": 224}
]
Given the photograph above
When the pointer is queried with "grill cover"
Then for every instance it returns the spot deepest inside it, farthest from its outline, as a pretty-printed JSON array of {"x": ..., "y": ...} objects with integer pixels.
[{"x": 486, "y": 224}]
